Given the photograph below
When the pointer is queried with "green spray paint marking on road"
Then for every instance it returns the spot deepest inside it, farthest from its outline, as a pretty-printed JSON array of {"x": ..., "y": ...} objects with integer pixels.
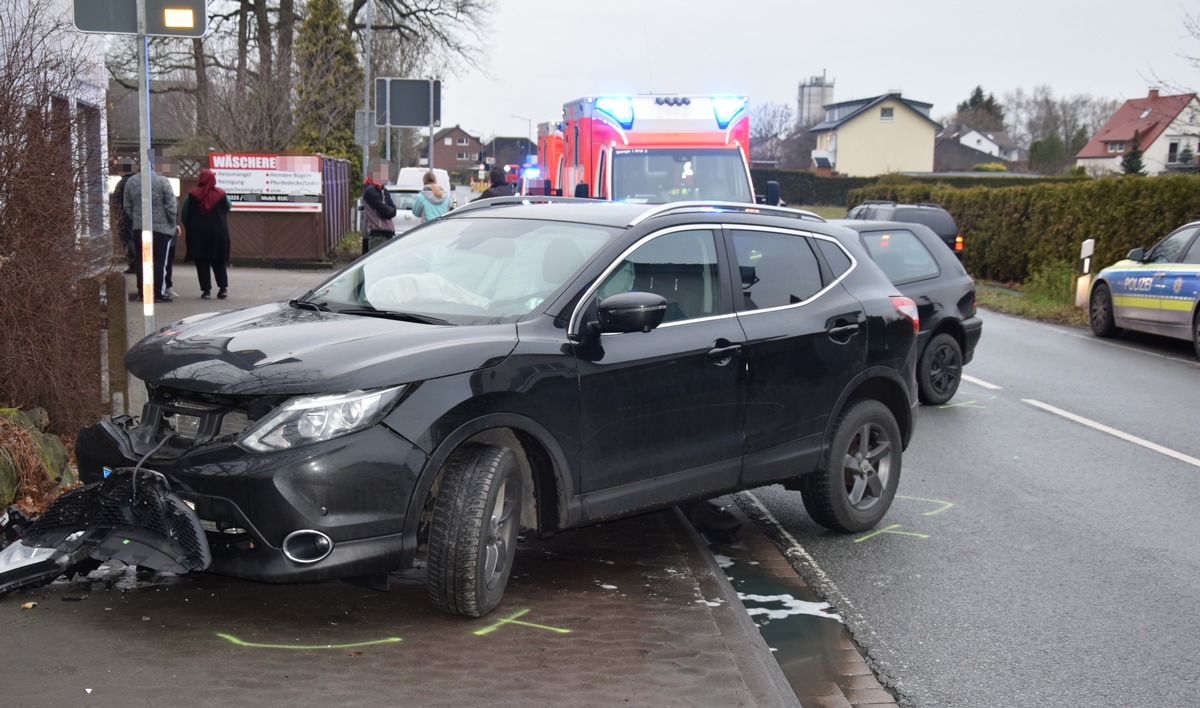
[
  {"x": 513, "y": 620},
  {"x": 889, "y": 530},
  {"x": 945, "y": 504},
  {"x": 355, "y": 645},
  {"x": 966, "y": 404}
]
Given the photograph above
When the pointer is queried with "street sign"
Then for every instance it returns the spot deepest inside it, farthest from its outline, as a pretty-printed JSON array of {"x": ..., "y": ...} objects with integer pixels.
[
  {"x": 164, "y": 18},
  {"x": 405, "y": 103}
]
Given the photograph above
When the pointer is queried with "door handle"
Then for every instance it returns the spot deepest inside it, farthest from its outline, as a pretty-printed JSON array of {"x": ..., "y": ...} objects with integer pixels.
[
  {"x": 844, "y": 329},
  {"x": 724, "y": 352}
]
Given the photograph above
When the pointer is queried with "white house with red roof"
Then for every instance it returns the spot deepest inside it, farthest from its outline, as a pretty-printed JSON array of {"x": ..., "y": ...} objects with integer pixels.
[{"x": 1164, "y": 127}]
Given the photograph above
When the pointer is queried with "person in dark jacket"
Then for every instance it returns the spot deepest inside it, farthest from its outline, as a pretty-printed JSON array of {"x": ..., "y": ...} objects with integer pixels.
[
  {"x": 378, "y": 208},
  {"x": 206, "y": 228},
  {"x": 122, "y": 223},
  {"x": 500, "y": 186}
]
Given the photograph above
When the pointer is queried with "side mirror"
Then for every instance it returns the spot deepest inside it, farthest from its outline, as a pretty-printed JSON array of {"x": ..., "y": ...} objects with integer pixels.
[
  {"x": 1137, "y": 254},
  {"x": 631, "y": 312},
  {"x": 772, "y": 193}
]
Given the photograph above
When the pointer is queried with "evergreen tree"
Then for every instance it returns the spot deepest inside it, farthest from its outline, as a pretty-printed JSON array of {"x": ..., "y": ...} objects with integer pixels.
[
  {"x": 1048, "y": 155},
  {"x": 980, "y": 112},
  {"x": 1131, "y": 164},
  {"x": 328, "y": 81},
  {"x": 1187, "y": 159}
]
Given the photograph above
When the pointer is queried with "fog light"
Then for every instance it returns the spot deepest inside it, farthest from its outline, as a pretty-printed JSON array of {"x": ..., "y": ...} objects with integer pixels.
[{"x": 307, "y": 546}]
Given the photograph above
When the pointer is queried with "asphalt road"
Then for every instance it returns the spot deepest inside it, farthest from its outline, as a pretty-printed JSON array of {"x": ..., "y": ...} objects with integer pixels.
[{"x": 1032, "y": 558}]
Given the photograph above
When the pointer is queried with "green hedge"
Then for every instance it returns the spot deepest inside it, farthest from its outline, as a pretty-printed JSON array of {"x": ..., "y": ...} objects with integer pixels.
[
  {"x": 800, "y": 188},
  {"x": 1013, "y": 232}
]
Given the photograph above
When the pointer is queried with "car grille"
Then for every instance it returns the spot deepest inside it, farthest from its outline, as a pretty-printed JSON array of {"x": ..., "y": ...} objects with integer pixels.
[
  {"x": 195, "y": 419},
  {"x": 188, "y": 420}
]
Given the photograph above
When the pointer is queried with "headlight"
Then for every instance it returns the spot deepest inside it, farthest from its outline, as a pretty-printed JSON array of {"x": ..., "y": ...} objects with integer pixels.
[{"x": 302, "y": 421}]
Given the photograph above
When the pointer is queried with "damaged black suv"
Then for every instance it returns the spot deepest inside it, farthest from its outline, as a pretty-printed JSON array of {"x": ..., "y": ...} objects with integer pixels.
[{"x": 520, "y": 366}]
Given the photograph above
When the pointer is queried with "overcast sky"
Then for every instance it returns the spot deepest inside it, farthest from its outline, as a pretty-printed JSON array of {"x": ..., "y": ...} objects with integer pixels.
[{"x": 547, "y": 52}]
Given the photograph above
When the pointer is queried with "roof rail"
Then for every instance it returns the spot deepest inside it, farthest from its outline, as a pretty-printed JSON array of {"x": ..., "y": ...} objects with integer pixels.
[
  {"x": 929, "y": 204},
  {"x": 516, "y": 199},
  {"x": 876, "y": 201},
  {"x": 672, "y": 207}
]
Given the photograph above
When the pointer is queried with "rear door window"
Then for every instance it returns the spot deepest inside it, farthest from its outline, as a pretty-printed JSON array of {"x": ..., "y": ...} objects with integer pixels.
[
  {"x": 900, "y": 254},
  {"x": 939, "y": 221},
  {"x": 777, "y": 269}
]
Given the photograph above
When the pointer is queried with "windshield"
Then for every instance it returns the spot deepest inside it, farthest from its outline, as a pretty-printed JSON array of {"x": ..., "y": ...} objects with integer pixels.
[
  {"x": 464, "y": 271},
  {"x": 680, "y": 174}
]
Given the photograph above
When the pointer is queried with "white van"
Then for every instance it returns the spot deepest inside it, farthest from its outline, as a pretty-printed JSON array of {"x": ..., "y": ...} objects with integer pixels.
[{"x": 405, "y": 189}]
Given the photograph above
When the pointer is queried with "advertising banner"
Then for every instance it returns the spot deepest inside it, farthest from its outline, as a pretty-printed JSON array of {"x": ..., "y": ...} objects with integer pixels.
[{"x": 269, "y": 182}]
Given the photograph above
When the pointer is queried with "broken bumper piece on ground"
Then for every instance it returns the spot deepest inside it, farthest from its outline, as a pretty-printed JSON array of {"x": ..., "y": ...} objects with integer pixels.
[{"x": 131, "y": 516}]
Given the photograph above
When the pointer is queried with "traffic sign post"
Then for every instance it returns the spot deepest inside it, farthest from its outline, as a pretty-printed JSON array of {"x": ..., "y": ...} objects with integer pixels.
[
  {"x": 144, "y": 18},
  {"x": 164, "y": 18}
]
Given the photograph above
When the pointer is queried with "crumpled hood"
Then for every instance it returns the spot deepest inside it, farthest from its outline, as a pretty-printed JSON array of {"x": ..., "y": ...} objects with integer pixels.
[{"x": 277, "y": 349}]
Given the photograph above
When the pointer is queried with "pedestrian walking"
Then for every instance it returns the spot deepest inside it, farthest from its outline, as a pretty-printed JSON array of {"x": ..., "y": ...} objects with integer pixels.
[
  {"x": 378, "y": 207},
  {"x": 432, "y": 202},
  {"x": 163, "y": 211},
  {"x": 500, "y": 186},
  {"x": 206, "y": 232}
]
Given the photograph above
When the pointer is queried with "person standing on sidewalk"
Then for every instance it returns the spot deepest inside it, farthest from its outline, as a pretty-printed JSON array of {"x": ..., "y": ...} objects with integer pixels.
[
  {"x": 432, "y": 202},
  {"x": 206, "y": 232},
  {"x": 121, "y": 221},
  {"x": 163, "y": 208},
  {"x": 500, "y": 186},
  {"x": 378, "y": 208}
]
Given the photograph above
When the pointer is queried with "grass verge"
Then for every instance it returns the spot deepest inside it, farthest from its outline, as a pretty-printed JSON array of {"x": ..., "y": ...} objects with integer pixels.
[{"x": 1029, "y": 303}]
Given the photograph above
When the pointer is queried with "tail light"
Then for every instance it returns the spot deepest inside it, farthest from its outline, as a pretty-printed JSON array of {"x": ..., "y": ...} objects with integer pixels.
[
  {"x": 958, "y": 243},
  {"x": 908, "y": 308}
]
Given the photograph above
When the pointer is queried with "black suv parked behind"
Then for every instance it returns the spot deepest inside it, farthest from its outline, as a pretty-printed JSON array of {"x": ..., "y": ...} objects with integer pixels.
[
  {"x": 931, "y": 215},
  {"x": 913, "y": 258},
  {"x": 536, "y": 366}
]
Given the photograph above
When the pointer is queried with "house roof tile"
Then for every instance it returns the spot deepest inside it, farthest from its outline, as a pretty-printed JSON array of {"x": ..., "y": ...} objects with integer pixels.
[{"x": 1148, "y": 117}]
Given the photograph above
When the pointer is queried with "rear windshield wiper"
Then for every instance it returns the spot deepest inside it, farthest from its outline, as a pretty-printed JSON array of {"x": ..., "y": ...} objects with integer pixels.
[
  {"x": 397, "y": 315},
  {"x": 309, "y": 305}
]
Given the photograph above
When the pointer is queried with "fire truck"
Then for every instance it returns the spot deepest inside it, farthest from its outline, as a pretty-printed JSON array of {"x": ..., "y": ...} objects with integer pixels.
[{"x": 649, "y": 149}]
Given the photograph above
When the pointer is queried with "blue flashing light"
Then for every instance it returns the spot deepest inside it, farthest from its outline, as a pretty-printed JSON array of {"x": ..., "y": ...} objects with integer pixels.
[
  {"x": 620, "y": 108},
  {"x": 531, "y": 173},
  {"x": 726, "y": 108}
]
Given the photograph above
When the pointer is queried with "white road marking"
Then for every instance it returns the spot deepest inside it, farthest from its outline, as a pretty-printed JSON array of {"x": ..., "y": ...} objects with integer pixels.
[
  {"x": 1114, "y": 432},
  {"x": 980, "y": 382}
]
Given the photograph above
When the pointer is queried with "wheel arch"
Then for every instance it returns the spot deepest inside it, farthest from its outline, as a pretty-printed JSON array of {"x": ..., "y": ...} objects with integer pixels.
[
  {"x": 881, "y": 384},
  {"x": 544, "y": 470}
]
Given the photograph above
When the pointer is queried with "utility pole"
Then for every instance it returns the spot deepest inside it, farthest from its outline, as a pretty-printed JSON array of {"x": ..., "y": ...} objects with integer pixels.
[{"x": 367, "y": 85}]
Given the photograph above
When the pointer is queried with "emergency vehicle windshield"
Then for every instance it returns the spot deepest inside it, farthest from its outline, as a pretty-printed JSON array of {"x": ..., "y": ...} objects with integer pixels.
[{"x": 660, "y": 175}]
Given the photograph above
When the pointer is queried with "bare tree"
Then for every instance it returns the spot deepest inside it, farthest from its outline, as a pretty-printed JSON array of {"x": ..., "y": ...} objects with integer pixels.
[
  {"x": 770, "y": 124},
  {"x": 242, "y": 71},
  {"x": 44, "y": 306},
  {"x": 1035, "y": 116}
]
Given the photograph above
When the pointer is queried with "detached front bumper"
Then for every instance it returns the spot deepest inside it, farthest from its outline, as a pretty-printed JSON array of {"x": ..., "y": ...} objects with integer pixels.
[
  {"x": 336, "y": 509},
  {"x": 131, "y": 516}
]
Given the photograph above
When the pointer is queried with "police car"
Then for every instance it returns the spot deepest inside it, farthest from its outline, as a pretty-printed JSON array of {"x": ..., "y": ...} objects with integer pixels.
[{"x": 1156, "y": 291}]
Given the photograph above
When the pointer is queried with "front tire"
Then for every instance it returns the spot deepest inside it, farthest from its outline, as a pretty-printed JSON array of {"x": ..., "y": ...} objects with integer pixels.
[
  {"x": 473, "y": 535},
  {"x": 1196, "y": 333},
  {"x": 1100, "y": 312},
  {"x": 857, "y": 483},
  {"x": 940, "y": 370}
]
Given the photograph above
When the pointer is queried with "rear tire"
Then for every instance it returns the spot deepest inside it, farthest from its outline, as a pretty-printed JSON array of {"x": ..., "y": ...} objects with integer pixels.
[
  {"x": 857, "y": 483},
  {"x": 940, "y": 370},
  {"x": 473, "y": 535},
  {"x": 1100, "y": 312}
]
